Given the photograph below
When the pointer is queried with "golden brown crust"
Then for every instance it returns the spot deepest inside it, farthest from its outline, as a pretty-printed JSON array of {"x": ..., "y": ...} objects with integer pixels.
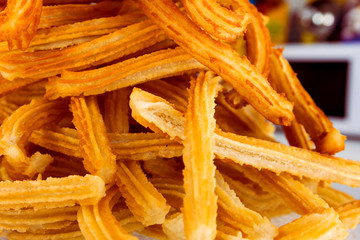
[
  {"x": 94, "y": 143},
  {"x": 235, "y": 214},
  {"x": 322, "y": 226},
  {"x": 70, "y": 13},
  {"x": 157, "y": 114},
  {"x": 350, "y": 213},
  {"x": 221, "y": 59},
  {"x": 19, "y": 22},
  {"x": 41, "y": 64},
  {"x": 142, "y": 198},
  {"x": 297, "y": 196},
  {"x": 17, "y": 128},
  {"x": 30, "y": 219},
  {"x": 170, "y": 62},
  {"x": 97, "y": 221},
  {"x": 198, "y": 154},
  {"x": 76, "y": 33},
  {"x": 116, "y": 110},
  {"x": 332, "y": 196},
  {"x": 132, "y": 146},
  {"x": 217, "y": 20},
  {"x": 51, "y": 193},
  {"x": 297, "y": 136},
  {"x": 326, "y": 138}
]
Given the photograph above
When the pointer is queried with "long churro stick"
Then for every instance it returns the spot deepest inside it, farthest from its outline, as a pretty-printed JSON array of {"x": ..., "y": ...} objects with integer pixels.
[
  {"x": 42, "y": 64},
  {"x": 148, "y": 67},
  {"x": 198, "y": 154},
  {"x": 132, "y": 146},
  {"x": 154, "y": 112},
  {"x": 51, "y": 193}
]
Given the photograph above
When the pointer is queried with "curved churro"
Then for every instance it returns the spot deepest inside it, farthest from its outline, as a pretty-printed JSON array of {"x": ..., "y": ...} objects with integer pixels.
[
  {"x": 98, "y": 222},
  {"x": 258, "y": 44},
  {"x": 153, "y": 66},
  {"x": 220, "y": 58},
  {"x": 326, "y": 138},
  {"x": 16, "y": 129}
]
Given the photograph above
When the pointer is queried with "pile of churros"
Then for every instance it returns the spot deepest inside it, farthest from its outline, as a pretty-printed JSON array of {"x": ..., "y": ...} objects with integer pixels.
[{"x": 157, "y": 118}]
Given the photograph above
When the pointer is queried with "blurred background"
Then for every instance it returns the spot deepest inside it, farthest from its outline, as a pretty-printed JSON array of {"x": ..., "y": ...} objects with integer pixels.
[
  {"x": 321, "y": 39},
  {"x": 312, "y": 21}
]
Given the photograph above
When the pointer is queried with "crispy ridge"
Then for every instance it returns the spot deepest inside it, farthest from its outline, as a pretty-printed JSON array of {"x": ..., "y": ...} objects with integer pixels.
[
  {"x": 170, "y": 62},
  {"x": 157, "y": 114},
  {"x": 51, "y": 193},
  {"x": 217, "y": 20},
  {"x": 94, "y": 143},
  {"x": 221, "y": 59},
  {"x": 40, "y": 64},
  {"x": 17, "y": 128},
  {"x": 198, "y": 154}
]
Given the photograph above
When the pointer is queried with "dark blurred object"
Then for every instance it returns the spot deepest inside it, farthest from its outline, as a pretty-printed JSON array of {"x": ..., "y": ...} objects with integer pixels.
[
  {"x": 277, "y": 12},
  {"x": 350, "y": 29},
  {"x": 318, "y": 21}
]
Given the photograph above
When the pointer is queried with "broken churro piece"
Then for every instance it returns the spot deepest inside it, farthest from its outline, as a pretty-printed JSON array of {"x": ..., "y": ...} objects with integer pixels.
[
  {"x": 17, "y": 128},
  {"x": 143, "y": 199},
  {"x": 98, "y": 222},
  {"x": 324, "y": 225}
]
